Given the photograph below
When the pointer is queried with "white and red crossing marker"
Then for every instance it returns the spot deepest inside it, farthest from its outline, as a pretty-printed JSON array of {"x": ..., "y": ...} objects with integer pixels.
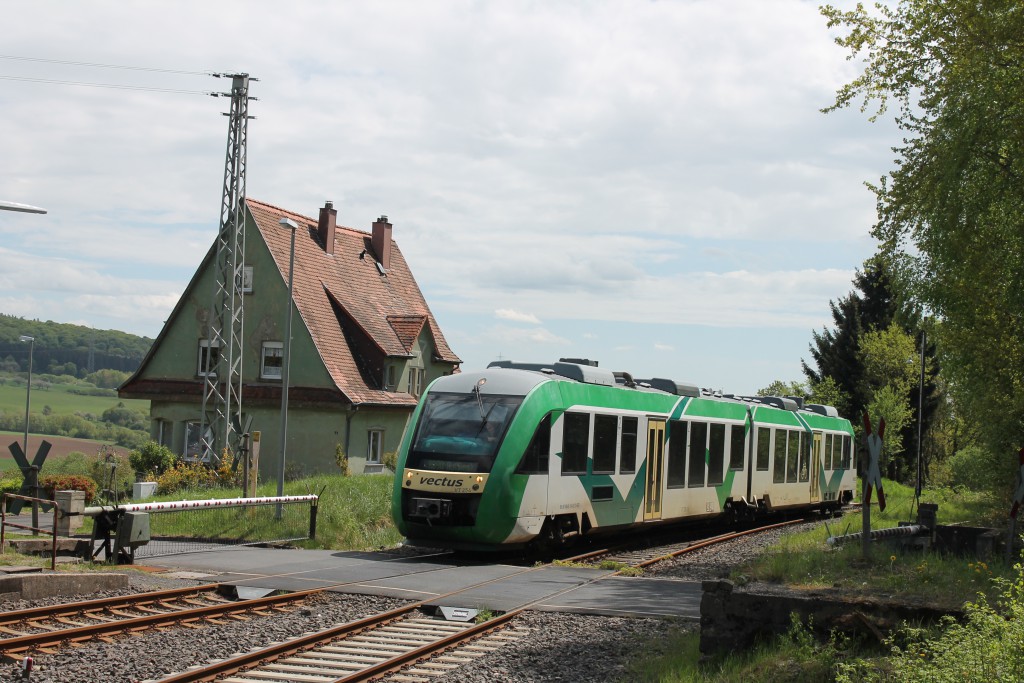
[
  {"x": 873, "y": 476},
  {"x": 1018, "y": 494}
]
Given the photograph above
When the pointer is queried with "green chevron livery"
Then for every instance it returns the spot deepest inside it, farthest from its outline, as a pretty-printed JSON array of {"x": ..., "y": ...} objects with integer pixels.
[{"x": 529, "y": 453}]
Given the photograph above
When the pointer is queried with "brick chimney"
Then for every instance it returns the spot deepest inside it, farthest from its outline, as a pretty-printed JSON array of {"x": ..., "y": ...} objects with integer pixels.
[
  {"x": 380, "y": 240},
  {"x": 327, "y": 225}
]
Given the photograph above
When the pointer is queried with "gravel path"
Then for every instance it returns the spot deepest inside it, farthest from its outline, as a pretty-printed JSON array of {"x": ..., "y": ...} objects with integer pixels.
[{"x": 560, "y": 647}]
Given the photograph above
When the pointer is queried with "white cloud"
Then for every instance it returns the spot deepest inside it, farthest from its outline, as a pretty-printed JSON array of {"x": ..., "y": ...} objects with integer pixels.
[
  {"x": 663, "y": 347},
  {"x": 603, "y": 161},
  {"x": 510, "y": 314}
]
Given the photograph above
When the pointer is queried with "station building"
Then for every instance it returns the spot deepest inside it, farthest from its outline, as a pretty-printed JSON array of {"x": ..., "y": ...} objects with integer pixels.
[{"x": 364, "y": 345}]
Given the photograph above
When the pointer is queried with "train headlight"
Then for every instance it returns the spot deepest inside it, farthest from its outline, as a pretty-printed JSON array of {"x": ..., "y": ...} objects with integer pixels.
[{"x": 479, "y": 479}]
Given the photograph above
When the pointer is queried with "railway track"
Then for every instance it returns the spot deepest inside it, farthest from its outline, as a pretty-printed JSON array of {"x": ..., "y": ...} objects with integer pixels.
[
  {"x": 642, "y": 557},
  {"x": 405, "y": 644},
  {"x": 43, "y": 628}
]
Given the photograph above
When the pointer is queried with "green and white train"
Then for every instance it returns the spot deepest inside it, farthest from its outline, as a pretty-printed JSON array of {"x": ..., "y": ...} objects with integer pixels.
[{"x": 525, "y": 453}]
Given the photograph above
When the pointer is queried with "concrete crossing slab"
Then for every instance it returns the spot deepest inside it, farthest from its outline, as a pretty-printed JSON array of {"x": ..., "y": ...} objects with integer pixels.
[{"x": 499, "y": 587}]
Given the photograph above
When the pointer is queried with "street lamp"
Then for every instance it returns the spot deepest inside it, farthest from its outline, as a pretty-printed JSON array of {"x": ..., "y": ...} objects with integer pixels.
[
  {"x": 286, "y": 223},
  {"x": 28, "y": 404}
]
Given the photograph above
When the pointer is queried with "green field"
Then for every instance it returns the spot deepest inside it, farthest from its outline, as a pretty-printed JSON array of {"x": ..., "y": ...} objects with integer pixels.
[{"x": 60, "y": 400}]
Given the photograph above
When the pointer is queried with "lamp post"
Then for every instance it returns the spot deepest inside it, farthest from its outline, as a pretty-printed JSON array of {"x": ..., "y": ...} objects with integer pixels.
[
  {"x": 286, "y": 223},
  {"x": 28, "y": 404}
]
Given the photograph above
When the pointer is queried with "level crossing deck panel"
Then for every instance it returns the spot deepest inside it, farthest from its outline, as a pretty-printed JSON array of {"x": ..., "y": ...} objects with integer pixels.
[{"x": 424, "y": 578}]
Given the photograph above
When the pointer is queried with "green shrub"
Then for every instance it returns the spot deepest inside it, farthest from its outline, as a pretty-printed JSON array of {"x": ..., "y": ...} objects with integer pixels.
[
  {"x": 185, "y": 476},
  {"x": 976, "y": 469},
  {"x": 390, "y": 460},
  {"x": 68, "y": 482},
  {"x": 151, "y": 458},
  {"x": 341, "y": 458}
]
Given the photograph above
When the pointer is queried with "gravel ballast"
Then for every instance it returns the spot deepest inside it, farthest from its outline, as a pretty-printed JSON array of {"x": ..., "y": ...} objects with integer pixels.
[{"x": 559, "y": 647}]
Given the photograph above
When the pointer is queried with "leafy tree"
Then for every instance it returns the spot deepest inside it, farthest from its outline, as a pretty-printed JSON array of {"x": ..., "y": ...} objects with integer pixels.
[
  {"x": 826, "y": 392},
  {"x": 951, "y": 213},
  {"x": 780, "y": 388},
  {"x": 107, "y": 379},
  {"x": 151, "y": 458}
]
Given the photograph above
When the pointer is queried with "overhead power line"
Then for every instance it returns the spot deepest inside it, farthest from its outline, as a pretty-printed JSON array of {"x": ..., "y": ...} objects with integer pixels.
[
  {"x": 108, "y": 66},
  {"x": 114, "y": 86}
]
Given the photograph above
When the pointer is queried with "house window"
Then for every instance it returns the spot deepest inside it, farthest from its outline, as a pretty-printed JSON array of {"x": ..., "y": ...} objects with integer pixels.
[
  {"x": 193, "y": 444},
  {"x": 162, "y": 433},
  {"x": 416, "y": 376},
  {"x": 390, "y": 380},
  {"x": 246, "y": 279},
  {"x": 209, "y": 357},
  {"x": 375, "y": 446},
  {"x": 273, "y": 360}
]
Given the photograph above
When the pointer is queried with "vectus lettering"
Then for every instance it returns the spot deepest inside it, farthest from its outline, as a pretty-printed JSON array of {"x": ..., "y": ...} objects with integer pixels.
[{"x": 440, "y": 481}]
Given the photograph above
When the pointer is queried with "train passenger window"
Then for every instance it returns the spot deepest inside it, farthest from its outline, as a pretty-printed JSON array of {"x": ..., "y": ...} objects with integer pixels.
[
  {"x": 677, "y": 453},
  {"x": 716, "y": 454},
  {"x": 763, "y": 448},
  {"x": 846, "y": 452},
  {"x": 805, "y": 456},
  {"x": 779, "y": 476},
  {"x": 698, "y": 453},
  {"x": 827, "y": 455},
  {"x": 736, "y": 447},
  {"x": 792, "y": 461},
  {"x": 606, "y": 429},
  {"x": 535, "y": 459},
  {"x": 627, "y": 446},
  {"x": 575, "y": 434}
]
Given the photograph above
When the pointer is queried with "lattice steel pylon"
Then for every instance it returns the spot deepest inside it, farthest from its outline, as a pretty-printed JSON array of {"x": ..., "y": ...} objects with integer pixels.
[{"x": 221, "y": 415}]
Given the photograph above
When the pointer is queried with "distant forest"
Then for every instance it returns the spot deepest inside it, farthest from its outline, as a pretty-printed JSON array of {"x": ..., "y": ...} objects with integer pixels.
[{"x": 63, "y": 349}]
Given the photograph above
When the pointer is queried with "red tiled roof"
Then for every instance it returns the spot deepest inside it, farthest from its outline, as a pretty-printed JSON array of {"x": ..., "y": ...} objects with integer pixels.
[
  {"x": 385, "y": 308},
  {"x": 408, "y": 328}
]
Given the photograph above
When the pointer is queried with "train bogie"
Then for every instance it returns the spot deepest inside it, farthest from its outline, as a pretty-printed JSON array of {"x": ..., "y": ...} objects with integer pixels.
[{"x": 512, "y": 456}]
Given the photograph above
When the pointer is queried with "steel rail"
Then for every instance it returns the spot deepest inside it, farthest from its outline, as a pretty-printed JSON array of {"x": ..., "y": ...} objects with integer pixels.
[
  {"x": 717, "y": 539},
  {"x": 243, "y": 663},
  {"x": 101, "y": 603},
  {"x": 35, "y": 640},
  {"x": 248, "y": 660}
]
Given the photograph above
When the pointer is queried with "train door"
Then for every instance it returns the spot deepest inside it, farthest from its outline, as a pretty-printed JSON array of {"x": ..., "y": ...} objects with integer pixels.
[
  {"x": 816, "y": 469},
  {"x": 655, "y": 456}
]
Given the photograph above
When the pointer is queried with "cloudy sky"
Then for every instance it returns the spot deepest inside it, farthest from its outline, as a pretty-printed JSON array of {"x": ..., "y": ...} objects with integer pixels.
[{"x": 648, "y": 184}]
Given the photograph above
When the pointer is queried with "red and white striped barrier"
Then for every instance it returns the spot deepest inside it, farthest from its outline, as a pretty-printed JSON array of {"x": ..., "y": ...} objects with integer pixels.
[{"x": 168, "y": 506}]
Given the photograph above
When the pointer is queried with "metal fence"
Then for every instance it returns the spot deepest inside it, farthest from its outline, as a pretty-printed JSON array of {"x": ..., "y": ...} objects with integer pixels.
[{"x": 203, "y": 525}]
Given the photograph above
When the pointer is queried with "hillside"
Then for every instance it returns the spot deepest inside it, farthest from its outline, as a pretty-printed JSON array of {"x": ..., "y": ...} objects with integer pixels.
[{"x": 64, "y": 349}]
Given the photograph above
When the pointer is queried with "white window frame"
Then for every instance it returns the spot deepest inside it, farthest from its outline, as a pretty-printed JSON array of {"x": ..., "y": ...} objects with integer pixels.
[
  {"x": 192, "y": 436},
  {"x": 269, "y": 373},
  {"x": 202, "y": 352},
  {"x": 416, "y": 380},
  {"x": 374, "y": 446},
  {"x": 246, "y": 279}
]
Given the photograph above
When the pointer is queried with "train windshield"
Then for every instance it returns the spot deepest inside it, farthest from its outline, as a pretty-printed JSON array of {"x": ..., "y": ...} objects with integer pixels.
[{"x": 461, "y": 432}]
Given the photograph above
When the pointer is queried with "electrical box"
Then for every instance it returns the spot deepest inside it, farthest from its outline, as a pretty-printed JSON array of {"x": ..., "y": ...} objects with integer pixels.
[{"x": 133, "y": 530}]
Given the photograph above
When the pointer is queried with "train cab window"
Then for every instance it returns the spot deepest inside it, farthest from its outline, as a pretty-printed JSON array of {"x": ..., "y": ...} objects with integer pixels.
[
  {"x": 779, "y": 472},
  {"x": 677, "y": 453},
  {"x": 805, "y": 456},
  {"x": 736, "y": 447},
  {"x": 845, "y": 464},
  {"x": 627, "y": 446},
  {"x": 763, "y": 448},
  {"x": 698, "y": 454},
  {"x": 716, "y": 454},
  {"x": 535, "y": 459},
  {"x": 575, "y": 434},
  {"x": 793, "y": 456},
  {"x": 606, "y": 429},
  {"x": 827, "y": 454},
  {"x": 461, "y": 432}
]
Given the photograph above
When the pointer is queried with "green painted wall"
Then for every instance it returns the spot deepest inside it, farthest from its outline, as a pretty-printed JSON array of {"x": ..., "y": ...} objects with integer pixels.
[{"x": 314, "y": 431}]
